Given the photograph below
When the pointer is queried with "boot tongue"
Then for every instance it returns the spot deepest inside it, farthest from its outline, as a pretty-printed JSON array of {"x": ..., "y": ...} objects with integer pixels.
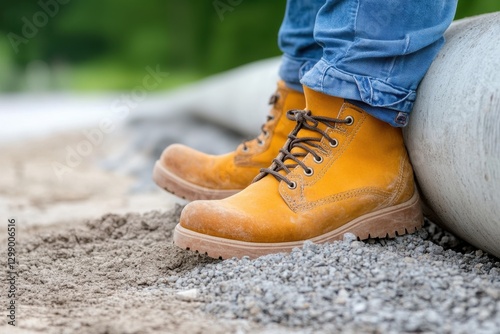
[{"x": 319, "y": 105}]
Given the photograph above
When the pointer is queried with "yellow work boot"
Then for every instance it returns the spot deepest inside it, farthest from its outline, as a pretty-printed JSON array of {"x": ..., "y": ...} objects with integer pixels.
[
  {"x": 193, "y": 175},
  {"x": 341, "y": 171}
]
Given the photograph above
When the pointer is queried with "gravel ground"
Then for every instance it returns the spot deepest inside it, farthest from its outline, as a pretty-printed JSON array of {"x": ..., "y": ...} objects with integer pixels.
[{"x": 426, "y": 282}]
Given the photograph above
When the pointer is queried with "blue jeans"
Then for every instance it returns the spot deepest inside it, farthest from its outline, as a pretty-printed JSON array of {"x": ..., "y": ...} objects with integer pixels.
[{"x": 371, "y": 52}]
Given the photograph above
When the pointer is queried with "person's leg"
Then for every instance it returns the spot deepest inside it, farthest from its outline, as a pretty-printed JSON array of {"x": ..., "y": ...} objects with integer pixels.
[
  {"x": 345, "y": 167},
  {"x": 296, "y": 41},
  {"x": 377, "y": 52}
]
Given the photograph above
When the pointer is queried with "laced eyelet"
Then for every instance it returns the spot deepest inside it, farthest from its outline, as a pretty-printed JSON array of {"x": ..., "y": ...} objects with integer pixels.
[
  {"x": 260, "y": 142},
  {"x": 274, "y": 98},
  {"x": 309, "y": 171},
  {"x": 292, "y": 185},
  {"x": 350, "y": 120},
  {"x": 333, "y": 143},
  {"x": 318, "y": 160},
  {"x": 265, "y": 133},
  {"x": 245, "y": 149}
]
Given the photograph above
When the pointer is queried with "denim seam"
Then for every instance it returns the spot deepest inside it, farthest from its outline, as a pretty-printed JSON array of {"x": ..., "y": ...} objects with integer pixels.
[
  {"x": 356, "y": 19},
  {"x": 407, "y": 47},
  {"x": 323, "y": 75},
  {"x": 405, "y": 52},
  {"x": 355, "y": 23},
  {"x": 371, "y": 89}
]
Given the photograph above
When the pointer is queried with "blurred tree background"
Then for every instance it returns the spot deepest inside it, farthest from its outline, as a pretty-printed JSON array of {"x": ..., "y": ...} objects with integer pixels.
[{"x": 106, "y": 45}]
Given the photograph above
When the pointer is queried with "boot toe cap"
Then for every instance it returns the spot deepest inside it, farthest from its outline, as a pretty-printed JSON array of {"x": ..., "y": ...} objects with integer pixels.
[
  {"x": 223, "y": 219},
  {"x": 215, "y": 219},
  {"x": 175, "y": 157}
]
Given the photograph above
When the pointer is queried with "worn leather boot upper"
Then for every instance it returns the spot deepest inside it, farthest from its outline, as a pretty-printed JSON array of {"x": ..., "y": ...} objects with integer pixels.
[
  {"x": 195, "y": 175},
  {"x": 341, "y": 171}
]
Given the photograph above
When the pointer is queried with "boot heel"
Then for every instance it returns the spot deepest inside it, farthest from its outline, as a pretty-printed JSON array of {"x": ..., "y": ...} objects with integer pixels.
[{"x": 388, "y": 223}]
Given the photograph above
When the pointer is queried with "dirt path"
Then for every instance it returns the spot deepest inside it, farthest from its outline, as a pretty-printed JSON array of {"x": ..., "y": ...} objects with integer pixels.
[
  {"x": 82, "y": 270},
  {"x": 110, "y": 275}
]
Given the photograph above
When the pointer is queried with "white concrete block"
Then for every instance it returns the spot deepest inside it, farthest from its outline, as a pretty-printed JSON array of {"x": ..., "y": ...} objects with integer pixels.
[{"x": 454, "y": 133}]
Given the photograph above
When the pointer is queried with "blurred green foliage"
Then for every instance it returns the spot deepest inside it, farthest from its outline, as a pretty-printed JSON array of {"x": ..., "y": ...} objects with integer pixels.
[{"x": 97, "y": 45}]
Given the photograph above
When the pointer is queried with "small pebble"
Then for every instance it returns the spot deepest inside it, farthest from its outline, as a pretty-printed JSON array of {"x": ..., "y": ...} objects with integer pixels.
[{"x": 187, "y": 295}]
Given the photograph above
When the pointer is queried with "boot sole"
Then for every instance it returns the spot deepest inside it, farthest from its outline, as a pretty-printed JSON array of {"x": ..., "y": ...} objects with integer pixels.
[
  {"x": 185, "y": 189},
  {"x": 387, "y": 223}
]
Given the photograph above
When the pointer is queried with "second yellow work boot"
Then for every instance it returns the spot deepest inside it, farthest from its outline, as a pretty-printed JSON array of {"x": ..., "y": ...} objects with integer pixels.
[
  {"x": 193, "y": 175},
  {"x": 341, "y": 171}
]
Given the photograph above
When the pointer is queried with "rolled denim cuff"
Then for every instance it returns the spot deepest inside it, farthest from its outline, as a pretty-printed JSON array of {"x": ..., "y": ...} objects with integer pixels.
[{"x": 379, "y": 98}]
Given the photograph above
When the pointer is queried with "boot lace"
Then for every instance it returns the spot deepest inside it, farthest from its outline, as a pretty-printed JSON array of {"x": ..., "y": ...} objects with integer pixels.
[
  {"x": 305, "y": 120},
  {"x": 264, "y": 127}
]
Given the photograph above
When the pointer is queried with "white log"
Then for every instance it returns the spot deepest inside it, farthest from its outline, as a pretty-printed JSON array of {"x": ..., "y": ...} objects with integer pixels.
[{"x": 454, "y": 133}]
